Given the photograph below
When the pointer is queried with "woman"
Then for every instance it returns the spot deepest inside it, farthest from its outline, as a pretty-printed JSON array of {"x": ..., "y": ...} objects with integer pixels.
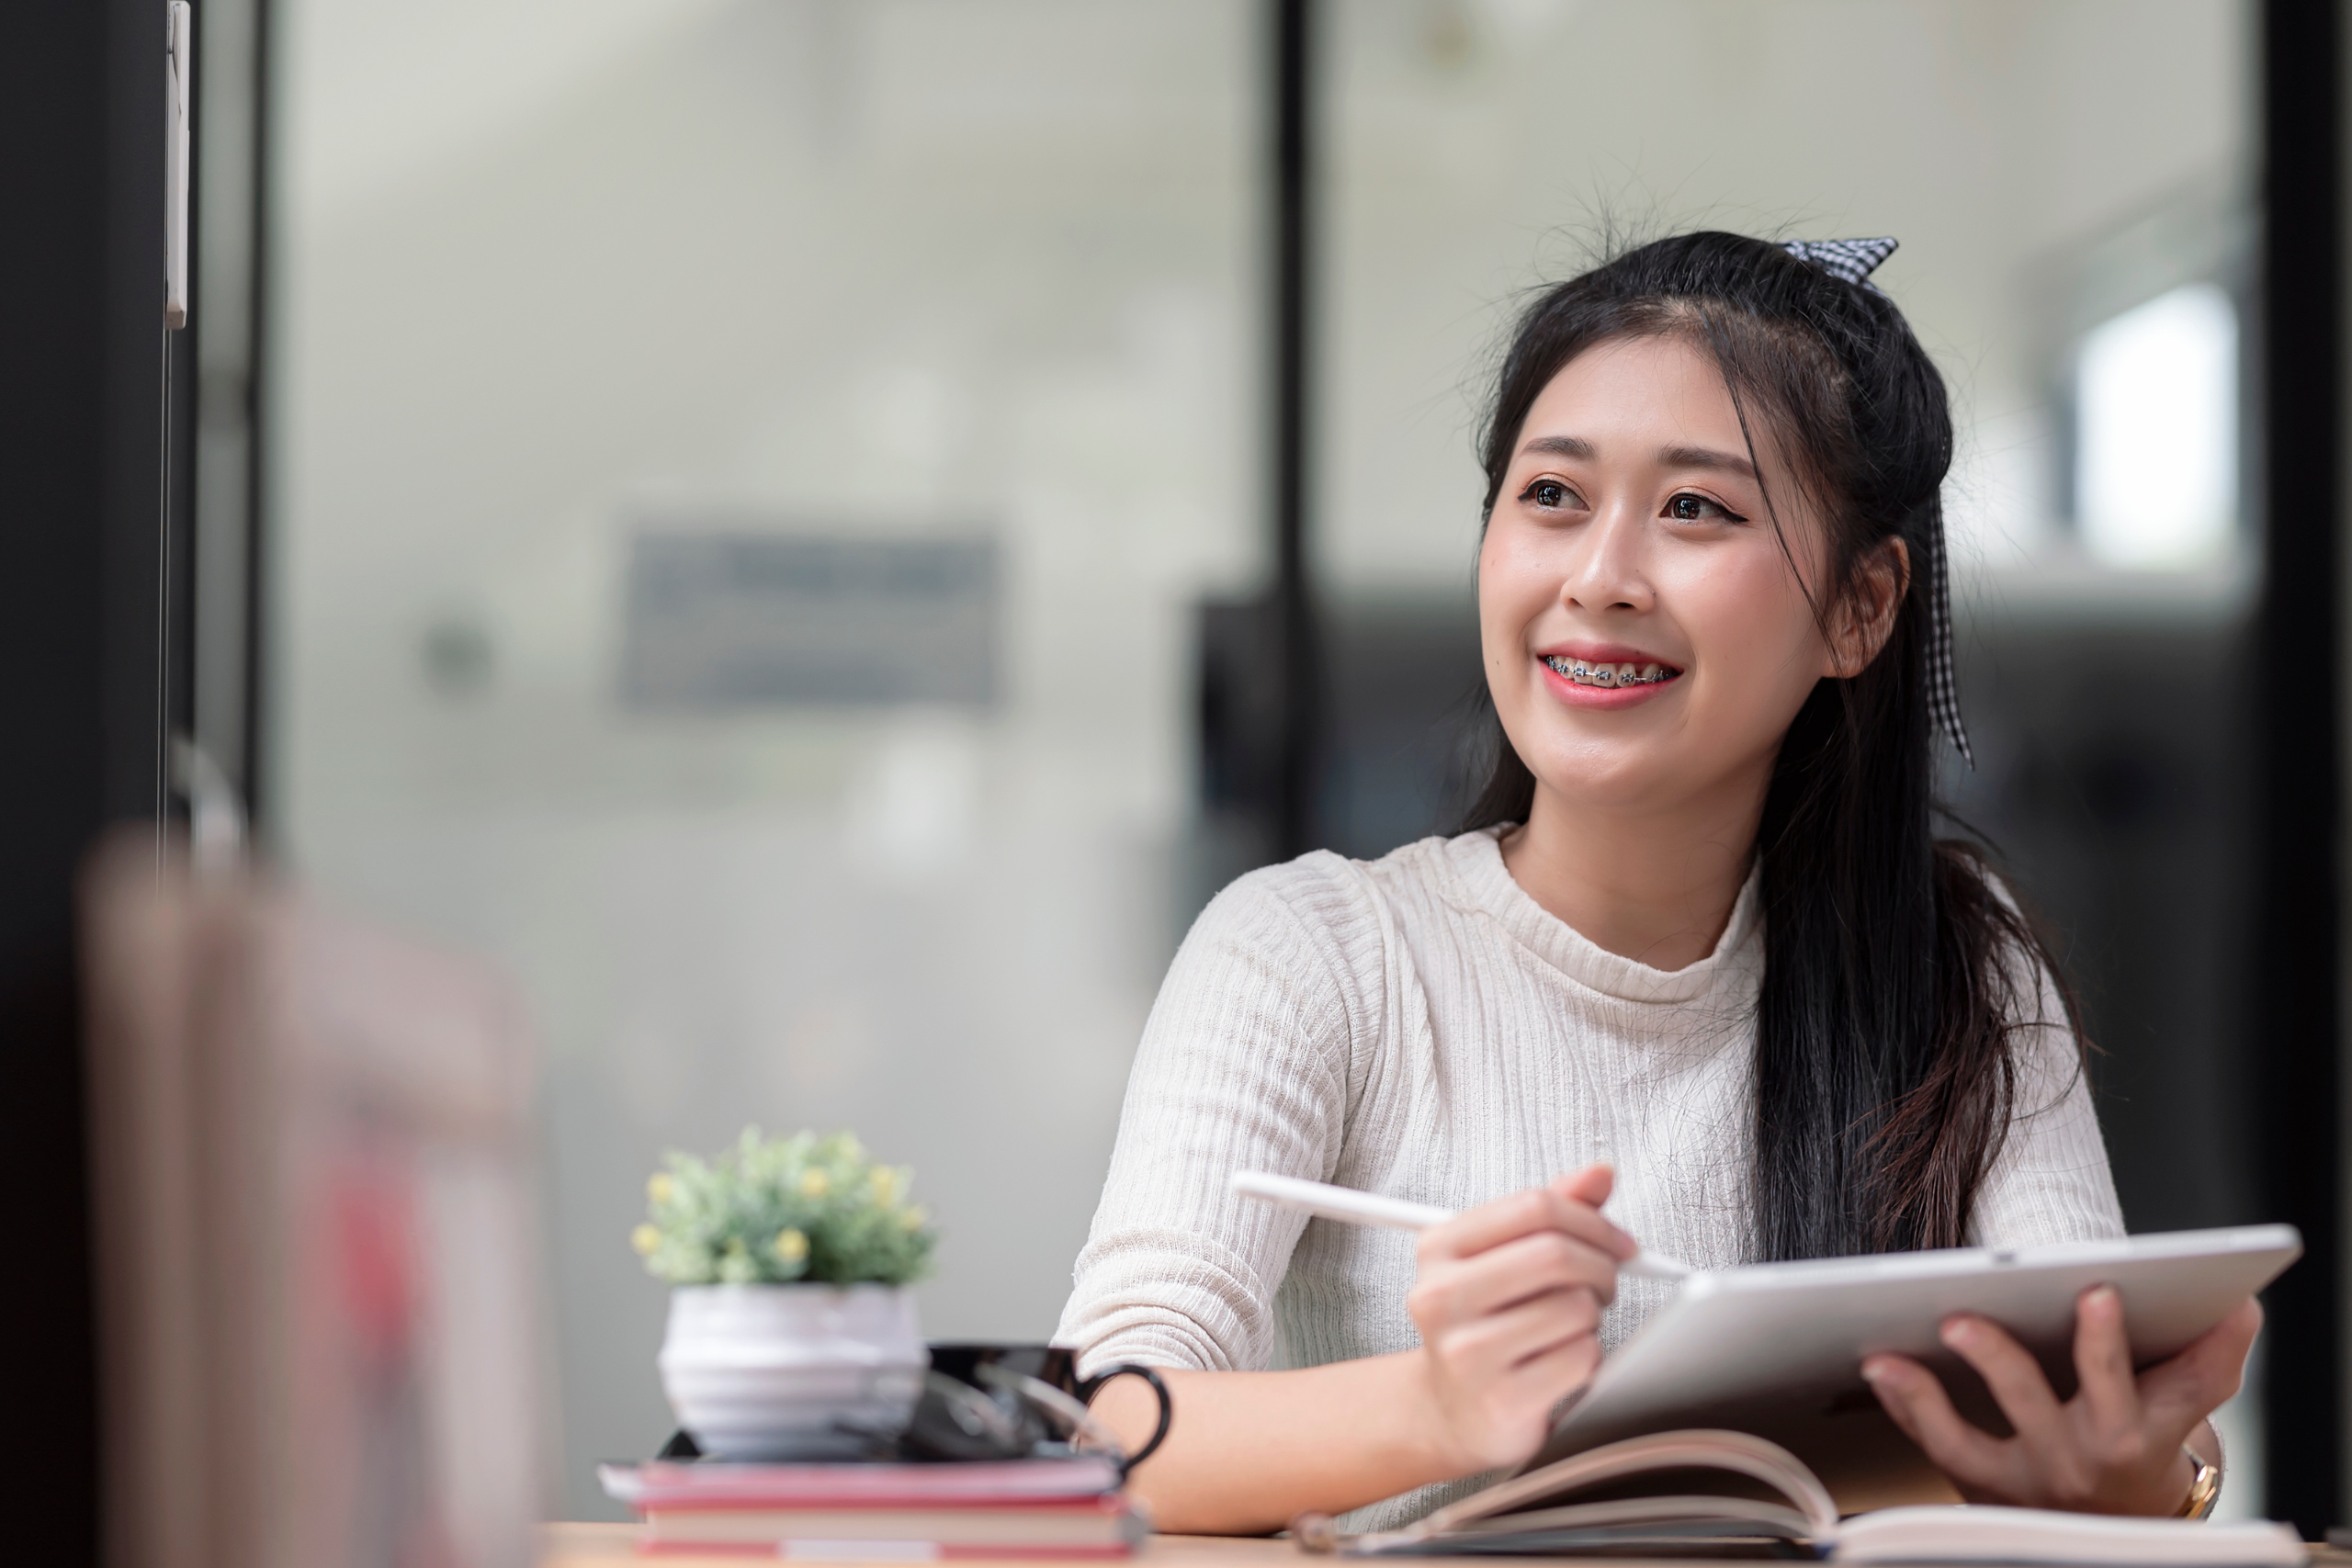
[{"x": 1698, "y": 949}]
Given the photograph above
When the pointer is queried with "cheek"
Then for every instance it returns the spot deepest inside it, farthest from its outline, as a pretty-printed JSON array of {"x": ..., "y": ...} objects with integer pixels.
[
  {"x": 1748, "y": 620},
  {"x": 1515, "y": 585}
]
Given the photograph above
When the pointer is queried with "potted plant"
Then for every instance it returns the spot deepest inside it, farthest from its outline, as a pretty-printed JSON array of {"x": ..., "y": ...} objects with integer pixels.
[{"x": 792, "y": 1328}]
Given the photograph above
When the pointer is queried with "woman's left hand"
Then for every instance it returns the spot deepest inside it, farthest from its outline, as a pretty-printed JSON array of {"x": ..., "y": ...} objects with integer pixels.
[{"x": 2115, "y": 1447}]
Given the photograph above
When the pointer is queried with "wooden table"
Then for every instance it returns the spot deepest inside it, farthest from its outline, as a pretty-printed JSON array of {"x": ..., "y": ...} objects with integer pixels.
[{"x": 598, "y": 1546}]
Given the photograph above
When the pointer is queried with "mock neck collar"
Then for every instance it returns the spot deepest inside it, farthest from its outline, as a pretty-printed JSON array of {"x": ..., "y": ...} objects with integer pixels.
[{"x": 1477, "y": 861}]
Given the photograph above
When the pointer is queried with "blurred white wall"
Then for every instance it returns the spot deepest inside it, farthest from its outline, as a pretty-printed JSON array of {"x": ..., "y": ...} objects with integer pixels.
[
  {"x": 2033, "y": 156},
  {"x": 552, "y": 270}
]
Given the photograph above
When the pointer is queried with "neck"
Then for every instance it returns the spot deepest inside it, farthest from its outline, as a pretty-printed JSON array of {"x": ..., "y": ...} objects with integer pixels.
[{"x": 1656, "y": 883}]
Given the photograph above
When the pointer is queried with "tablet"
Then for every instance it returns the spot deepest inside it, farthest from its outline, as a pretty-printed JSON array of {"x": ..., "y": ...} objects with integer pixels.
[{"x": 1776, "y": 1348}]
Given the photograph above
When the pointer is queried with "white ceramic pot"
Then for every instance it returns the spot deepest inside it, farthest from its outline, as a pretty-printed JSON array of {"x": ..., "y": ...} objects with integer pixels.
[{"x": 791, "y": 1372}]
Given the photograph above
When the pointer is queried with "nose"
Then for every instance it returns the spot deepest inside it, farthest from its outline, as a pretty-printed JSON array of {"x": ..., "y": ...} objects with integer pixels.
[{"x": 1608, "y": 570}]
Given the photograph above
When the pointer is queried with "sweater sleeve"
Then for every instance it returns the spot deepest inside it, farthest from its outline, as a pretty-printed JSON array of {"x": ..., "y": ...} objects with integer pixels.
[
  {"x": 2051, "y": 1181},
  {"x": 1243, "y": 1065}
]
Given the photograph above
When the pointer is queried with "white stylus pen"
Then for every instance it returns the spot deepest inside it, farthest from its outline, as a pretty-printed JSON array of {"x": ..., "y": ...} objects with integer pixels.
[{"x": 1371, "y": 1209}]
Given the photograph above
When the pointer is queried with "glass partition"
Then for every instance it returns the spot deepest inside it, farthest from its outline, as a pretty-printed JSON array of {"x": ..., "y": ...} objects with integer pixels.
[{"x": 745, "y": 468}]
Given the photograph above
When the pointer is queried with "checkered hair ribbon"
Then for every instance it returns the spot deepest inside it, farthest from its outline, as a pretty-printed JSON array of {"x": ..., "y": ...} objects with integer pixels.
[
  {"x": 1943, "y": 687},
  {"x": 1853, "y": 260}
]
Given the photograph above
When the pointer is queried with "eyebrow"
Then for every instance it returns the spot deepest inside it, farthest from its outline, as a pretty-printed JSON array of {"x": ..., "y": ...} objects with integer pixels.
[
  {"x": 1577, "y": 449},
  {"x": 1571, "y": 446},
  {"x": 1705, "y": 458}
]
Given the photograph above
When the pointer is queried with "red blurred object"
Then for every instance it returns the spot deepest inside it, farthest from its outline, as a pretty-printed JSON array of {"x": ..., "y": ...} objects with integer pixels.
[{"x": 312, "y": 1147}]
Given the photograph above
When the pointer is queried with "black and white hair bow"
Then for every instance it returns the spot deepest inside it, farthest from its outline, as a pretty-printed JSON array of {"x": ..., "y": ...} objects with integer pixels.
[{"x": 1853, "y": 260}]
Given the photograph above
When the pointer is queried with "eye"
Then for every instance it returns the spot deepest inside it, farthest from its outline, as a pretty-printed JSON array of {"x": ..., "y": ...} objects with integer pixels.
[
  {"x": 1689, "y": 508},
  {"x": 1549, "y": 494}
]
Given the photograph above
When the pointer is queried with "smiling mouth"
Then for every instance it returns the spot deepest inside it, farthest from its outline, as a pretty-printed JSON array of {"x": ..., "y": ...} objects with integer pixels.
[{"x": 1582, "y": 672}]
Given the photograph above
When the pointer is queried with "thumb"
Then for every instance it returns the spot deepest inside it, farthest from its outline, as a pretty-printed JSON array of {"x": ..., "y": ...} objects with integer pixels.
[{"x": 1591, "y": 1185}]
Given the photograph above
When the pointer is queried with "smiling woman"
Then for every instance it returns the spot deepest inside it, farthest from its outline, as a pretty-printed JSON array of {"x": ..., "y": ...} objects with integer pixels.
[{"x": 1697, "y": 956}]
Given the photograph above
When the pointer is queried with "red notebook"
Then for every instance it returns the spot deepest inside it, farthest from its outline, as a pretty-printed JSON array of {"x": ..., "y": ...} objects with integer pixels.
[{"x": 1053, "y": 1508}]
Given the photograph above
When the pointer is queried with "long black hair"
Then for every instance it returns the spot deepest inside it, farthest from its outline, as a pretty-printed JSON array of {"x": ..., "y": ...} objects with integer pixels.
[{"x": 1895, "y": 972}]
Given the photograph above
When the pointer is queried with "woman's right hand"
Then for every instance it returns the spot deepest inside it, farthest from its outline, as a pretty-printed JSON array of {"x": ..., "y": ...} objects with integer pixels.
[{"x": 1508, "y": 1305}]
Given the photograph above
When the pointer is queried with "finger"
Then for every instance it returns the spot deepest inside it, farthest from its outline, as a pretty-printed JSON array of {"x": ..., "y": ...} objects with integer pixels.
[
  {"x": 1592, "y": 1186},
  {"x": 1518, "y": 1270},
  {"x": 1555, "y": 1373},
  {"x": 1914, "y": 1397},
  {"x": 1522, "y": 1214},
  {"x": 2107, "y": 1389},
  {"x": 2014, "y": 1376},
  {"x": 1890, "y": 1378},
  {"x": 2184, "y": 1390},
  {"x": 1495, "y": 1344}
]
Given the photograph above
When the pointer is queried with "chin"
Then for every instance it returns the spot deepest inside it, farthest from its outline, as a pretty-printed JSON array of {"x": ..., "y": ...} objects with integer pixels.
[{"x": 1617, "y": 777}]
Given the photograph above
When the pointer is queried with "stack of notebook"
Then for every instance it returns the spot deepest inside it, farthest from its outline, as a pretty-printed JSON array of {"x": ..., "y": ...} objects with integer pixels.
[{"x": 1029, "y": 1508}]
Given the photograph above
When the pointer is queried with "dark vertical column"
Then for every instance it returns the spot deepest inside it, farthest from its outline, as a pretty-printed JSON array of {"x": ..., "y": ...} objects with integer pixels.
[
  {"x": 140, "y": 617},
  {"x": 2297, "y": 999},
  {"x": 81, "y": 483},
  {"x": 175, "y": 538},
  {"x": 262, "y": 220},
  {"x": 52, "y": 178},
  {"x": 233, "y": 187},
  {"x": 1293, "y": 125}
]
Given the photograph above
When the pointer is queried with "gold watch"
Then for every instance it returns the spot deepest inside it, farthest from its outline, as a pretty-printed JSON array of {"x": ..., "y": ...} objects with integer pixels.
[{"x": 2204, "y": 1486}]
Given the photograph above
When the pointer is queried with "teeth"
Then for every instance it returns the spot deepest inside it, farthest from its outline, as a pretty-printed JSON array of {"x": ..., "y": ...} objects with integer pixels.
[{"x": 1609, "y": 675}]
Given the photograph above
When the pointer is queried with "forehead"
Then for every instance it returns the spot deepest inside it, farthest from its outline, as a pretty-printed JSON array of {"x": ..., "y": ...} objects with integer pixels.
[{"x": 1639, "y": 394}]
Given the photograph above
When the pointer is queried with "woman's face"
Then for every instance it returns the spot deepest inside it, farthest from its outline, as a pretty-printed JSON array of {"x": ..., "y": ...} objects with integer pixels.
[{"x": 1646, "y": 640}]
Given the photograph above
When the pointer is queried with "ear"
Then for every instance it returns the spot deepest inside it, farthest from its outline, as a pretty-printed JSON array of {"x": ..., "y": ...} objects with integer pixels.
[{"x": 1866, "y": 619}]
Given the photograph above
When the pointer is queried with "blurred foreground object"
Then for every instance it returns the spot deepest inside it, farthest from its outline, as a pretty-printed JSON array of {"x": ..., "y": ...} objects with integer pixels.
[{"x": 314, "y": 1232}]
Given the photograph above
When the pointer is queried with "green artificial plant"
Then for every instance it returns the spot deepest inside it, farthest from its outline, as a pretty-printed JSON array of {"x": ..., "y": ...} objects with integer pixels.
[{"x": 771, "y": 1211}]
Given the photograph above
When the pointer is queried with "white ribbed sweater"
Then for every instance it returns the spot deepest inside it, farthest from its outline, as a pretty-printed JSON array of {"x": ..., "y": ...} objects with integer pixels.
[{"x": 1419, "y": 1026}]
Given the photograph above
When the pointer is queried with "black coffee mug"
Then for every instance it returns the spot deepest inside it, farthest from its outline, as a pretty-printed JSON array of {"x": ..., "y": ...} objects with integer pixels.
[
  {"x": 1015, "y": 1424},
  {"x": 1055, "y": 1366}
]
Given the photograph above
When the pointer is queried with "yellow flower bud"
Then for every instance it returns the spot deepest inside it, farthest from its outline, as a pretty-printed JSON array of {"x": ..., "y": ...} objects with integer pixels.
[
  {"x": 886, "y": 1186},
  {"x": 645, "y": 1238},
  {"x": 815, "y": 1182},
  {"x": 791, "y": 1245},
  {"x": 912, "y": 1219},
  {"x": 660, "y": 1188}
]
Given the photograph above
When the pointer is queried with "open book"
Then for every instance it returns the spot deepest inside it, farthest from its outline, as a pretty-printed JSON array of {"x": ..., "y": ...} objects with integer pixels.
[{"x": 1706, "y": 1493}]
